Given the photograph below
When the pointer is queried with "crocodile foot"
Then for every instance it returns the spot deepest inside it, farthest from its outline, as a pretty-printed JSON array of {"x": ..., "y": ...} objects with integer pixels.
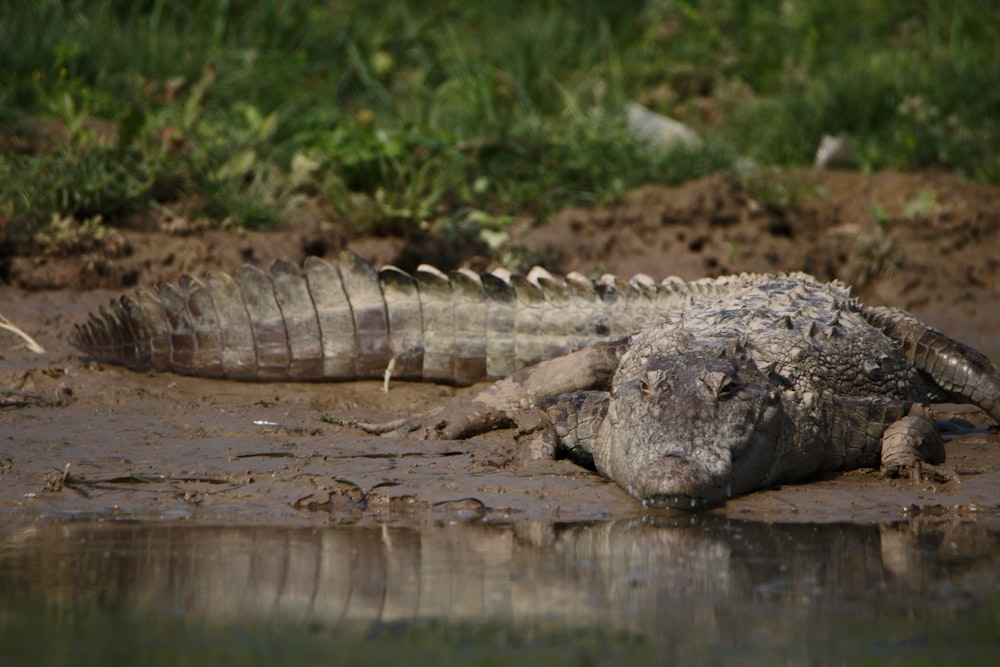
[
  {"x": 921, "y": 471},
  {"x": 913, "y": 447},
  {"x": 461, "y": 417}
]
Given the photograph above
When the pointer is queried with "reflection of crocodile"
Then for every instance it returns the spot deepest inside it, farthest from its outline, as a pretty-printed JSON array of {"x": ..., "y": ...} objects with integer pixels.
[
  {"x": 669, "y": 580},
  {"x": 683, "y": 393}
]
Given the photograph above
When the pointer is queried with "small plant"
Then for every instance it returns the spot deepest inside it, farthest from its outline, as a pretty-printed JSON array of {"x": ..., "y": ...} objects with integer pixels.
[
  {"x": 99, "y": 181},
  {"x": 66, "y": 235},
  {"x": 874, "y": 251},
  {"x": 777, "y": 189},
  {"x": 922, "y": 203}
]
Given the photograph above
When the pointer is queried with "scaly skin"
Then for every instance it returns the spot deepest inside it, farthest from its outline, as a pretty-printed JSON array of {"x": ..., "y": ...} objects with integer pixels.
[
  {"x": 745, "y": 391},
  {"x": 349, "y": 321},
  {"x": 684, "y": 393}
]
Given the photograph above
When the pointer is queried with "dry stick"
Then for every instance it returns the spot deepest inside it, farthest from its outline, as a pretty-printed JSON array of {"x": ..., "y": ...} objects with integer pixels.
[{"x": 30, "y": 342}]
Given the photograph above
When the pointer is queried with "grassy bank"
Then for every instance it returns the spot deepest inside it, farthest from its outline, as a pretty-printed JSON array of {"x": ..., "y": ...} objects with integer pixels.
[{"x": 455, "y": 116}]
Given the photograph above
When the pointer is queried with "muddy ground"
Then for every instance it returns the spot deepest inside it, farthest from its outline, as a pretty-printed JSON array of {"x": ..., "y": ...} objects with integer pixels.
[{"x": 85, "y": 440}]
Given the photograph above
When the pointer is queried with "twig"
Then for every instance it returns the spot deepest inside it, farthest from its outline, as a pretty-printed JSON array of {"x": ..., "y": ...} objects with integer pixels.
[
  {"x": 30, "y": 342},
  {"x": 388, "y": 374}
]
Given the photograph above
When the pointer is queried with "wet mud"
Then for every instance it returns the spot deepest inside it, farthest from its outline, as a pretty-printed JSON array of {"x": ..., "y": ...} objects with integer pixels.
[{"x": 87, "y": 441}]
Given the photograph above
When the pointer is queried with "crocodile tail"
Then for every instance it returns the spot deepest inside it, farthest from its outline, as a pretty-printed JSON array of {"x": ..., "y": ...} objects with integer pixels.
[
  {"x": 318, "y": 322},
  {"x": 963, "y": 373},
  {"x": 348, "y": 321}
]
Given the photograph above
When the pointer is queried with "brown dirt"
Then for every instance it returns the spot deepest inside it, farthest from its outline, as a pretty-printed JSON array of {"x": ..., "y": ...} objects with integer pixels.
[{"x": 83, "y": 439}]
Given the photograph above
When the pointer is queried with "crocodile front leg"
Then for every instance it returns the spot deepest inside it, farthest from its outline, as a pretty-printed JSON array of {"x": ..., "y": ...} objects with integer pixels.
[
  {"x": 576, "y": 422},
  {"x": 913, "y": 446},
  {"x": 897, "y": 436},
  {"x": 500, "y": 404}
]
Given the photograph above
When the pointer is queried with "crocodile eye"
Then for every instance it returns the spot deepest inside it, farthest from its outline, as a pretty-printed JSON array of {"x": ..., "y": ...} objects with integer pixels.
[
  {"x": 729, "y": 387},
  {"x": 723, "y": 385}
]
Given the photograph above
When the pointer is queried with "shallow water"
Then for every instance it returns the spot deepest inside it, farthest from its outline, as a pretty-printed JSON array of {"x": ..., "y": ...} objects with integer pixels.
[{"x": 694, "y": 590}]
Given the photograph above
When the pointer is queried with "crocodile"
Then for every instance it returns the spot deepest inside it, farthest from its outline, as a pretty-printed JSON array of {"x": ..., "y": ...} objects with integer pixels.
[{"x": 684, "y": 393}]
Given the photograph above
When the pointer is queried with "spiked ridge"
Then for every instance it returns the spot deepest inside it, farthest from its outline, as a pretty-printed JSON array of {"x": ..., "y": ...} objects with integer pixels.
[{"x": 347, "y": 321}]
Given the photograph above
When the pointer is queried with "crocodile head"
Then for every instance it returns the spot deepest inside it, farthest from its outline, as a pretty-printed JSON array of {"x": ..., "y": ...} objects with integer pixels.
[{"x": 690, "y": 430}]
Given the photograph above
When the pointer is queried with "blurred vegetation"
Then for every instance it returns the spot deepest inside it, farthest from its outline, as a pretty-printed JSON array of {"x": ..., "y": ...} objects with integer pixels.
[{"x": 439, "y": 115}]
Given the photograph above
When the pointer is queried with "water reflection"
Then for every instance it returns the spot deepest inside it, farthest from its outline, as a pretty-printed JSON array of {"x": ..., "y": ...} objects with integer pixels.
[{"x": 690, "y": 580}]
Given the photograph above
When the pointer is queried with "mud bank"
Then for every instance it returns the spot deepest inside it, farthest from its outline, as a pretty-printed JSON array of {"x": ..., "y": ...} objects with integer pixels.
[{"x": 82, "y": 440}]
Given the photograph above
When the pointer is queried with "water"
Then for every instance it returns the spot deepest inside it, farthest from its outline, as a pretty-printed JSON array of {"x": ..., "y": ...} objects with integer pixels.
[{"x": 690, "y": 590}]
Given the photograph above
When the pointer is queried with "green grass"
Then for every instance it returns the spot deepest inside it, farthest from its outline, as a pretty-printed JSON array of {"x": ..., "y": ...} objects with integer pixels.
[{"x": 416, "y": 115}]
